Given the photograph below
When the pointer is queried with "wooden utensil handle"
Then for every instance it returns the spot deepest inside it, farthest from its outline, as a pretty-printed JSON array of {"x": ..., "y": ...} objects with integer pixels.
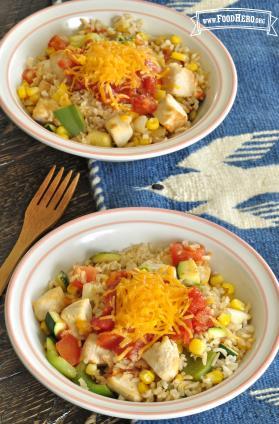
[{"x": 22, "y": 244}]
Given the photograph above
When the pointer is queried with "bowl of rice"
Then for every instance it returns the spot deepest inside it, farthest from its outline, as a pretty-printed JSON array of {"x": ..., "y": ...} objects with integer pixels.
[
  {"x": 143, "y": 313},
  {"x": 115, "y": 83}
]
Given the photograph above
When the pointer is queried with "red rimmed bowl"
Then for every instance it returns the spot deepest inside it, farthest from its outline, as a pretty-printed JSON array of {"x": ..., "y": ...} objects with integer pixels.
[
  {"x": 116, "y": 229},
  {"x": 29, "y": 37}
]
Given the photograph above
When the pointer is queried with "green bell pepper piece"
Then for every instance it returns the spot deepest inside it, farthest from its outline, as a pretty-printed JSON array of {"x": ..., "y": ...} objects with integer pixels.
[
  {"x": 71, "y": 118},
  {"x": 195, "y": 367},
  {"x": 100, "y": 389},
  {"x": 57, "y": 361}
]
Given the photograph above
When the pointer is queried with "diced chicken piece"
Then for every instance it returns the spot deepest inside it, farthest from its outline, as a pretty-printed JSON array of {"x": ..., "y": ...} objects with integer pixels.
[
  {"x": 163, "y": 358},
  {"x": 91, "y": 352},
  {"x": 126, "y": 385},
  {"x": 80, "y": 310},
  {"x": 170, "y": 113},
  {"x": 179, "y": 81},
  {"x": 204, "y": 271},
  {"x": 92, "y": 290},
  {"x": 139, "y": 124},
  {"x": 52, "y": 300},
  {"x": 43, "y": 111},
  {"x": 120, "y": 129}
]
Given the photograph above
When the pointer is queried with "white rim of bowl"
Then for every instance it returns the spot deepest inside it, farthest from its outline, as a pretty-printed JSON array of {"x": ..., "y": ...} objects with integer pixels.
[
  {"x": 27, "y": 124},
  {"x": 105, "y": 408}
]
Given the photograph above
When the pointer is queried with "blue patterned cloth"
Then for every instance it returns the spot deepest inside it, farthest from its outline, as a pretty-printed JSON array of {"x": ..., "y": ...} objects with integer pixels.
[{"x": 244, "y": 199}]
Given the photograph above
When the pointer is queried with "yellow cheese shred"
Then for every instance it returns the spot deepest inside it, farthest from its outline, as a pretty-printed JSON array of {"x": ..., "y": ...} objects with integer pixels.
[
  {"x": 146, "y": 304},
  {"x": 106, "y": 64}
]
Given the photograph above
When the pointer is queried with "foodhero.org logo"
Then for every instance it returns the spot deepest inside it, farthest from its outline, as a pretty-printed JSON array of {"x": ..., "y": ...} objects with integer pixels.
[{"x": 240, "y": 18}]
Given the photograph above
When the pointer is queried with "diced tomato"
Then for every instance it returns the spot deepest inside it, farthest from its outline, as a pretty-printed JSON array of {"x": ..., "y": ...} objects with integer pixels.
[
  {"x": 115, "y": 278},
  {"x": 68, "y": 347},
  {"x": 100, "y": 325},
  {"x": 198, "y": 301},
  {"x": 149, "y": 85},
  {"x": 202, "y": 321},
  {"x": 58, "y": 43},
  {"x": 179, "y": 253},
  {"x": 110, "y": 341},
  {"x": 144, "y": 104},
  {"x": 133, "y": 353},
  {"x": 108, "y": 300},
  {"x": 66, "y": 63},
  {"x": 78, "y": 284},
  {"x": 90, "y": 273},
  {"x": 183, "y": 336},
  {"x": 167, "y": 54},
  {"x": 28, "y": 75}
]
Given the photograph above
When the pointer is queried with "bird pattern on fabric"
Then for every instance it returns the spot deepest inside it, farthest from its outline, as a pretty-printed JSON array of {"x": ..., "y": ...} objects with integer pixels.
[{"x": 216, "y": 180}]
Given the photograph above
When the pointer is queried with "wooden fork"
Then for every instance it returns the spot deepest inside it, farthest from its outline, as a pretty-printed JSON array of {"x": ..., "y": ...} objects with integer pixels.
[{"x": 44, "y": 210}]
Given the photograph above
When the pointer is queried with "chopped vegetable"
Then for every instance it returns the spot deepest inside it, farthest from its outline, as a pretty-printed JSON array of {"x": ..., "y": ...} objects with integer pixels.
[
  {"x": 178, "y": 56},
  {"x": 188, "y": 272},
  {"x": 195, "y": 367},
  {"x": 54, "y": 323},
  {"x": 229, "y": 288},
  {"x": 216, "y": 332},
  {"x": 229, "y": 350},
  {"x": 237, "y": 304},
  {"x": 99, "y": 138},
  {"x": 197, "y": 347},
  {"x": 224, "y": 319},
  {"x": 71, "y": 118},
  {"x": 216, "y": 376},
  {"x": 100, "y": 389},
  {"x": 179, "y": 253},
  {"x": 105, "y": 257},
  {"x": 142, "y": 387},
  {"x": 147, "y": 376},
  {"x": 62, "y": 280},
  {"x": 175, "y": 39},
  {"x": 57, "y": 361},
  {"x": 50, "y": 127},
  {"x": 216, "y": 279},
  {"x": 237, "y": 317},
  {"x": 68, "y": 347},
  {"x": 152, "y": 124},
  {"x": 193, "y": 66}
]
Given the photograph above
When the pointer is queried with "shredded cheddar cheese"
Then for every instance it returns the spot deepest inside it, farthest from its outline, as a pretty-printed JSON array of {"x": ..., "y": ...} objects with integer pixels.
[
  {"x": 107, "y": 64},
  {"x": 146, "y": 304}
]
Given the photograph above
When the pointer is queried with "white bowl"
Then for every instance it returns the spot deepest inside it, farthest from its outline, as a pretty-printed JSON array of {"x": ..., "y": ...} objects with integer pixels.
[
  {"x": 29, "y": 37},
  {"x": 116, "y": 229}
]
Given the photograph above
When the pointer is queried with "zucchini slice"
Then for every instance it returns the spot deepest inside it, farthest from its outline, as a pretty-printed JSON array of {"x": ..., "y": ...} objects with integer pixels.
[
  {"x": 62, "y": 280},
  {"x": 229, "y": 350},
  {"x": 55, "y": 323},
  {"x": 196, "y": 368},
  {"x": 216, "y": 332},
  {"x": 105, "y": 257},
  {"x": 188, "y": 272}
]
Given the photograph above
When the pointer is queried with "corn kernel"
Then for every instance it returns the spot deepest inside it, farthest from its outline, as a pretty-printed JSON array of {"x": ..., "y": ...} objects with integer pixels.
[
  {"x": 237, "y": 304},
  {"x": 44, "y": 328},
  {"x": 71, "y": 289},
  {"x": 31, "y": 91},
  {"x": 144, "y": 141},
  {"x": 175, "y": 39},
  {"x": 178, "y": 56},
  {"x": 160, "y": 94},
  {"x": 61, "y": 131},
  {"x": 34, "y": 99},
  {"x": 224, "y": 319},
  {"x": 179, "y": 378},
  {"x": 142, "y": 387},
  {"x": 21, "y": 91},
  {"x": 228, "y": 287},
  {"x": 50, "y": 51},
  {"x": 216, "y": 280},
  {"x": 197, "y": 347},
  {"x": 144, "y": 36},
  {"x": 147, "y": 376},
  {"x": 152, "y": 124},
  {"x": 125, "y": 118},
  {"x": 83, "y": 327},
  {"x": 192, "y": 66},
  {"x": 159, "y": 40},
  {"x": 91, "y": 369},
  {"x": 215, "y": 376}
]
